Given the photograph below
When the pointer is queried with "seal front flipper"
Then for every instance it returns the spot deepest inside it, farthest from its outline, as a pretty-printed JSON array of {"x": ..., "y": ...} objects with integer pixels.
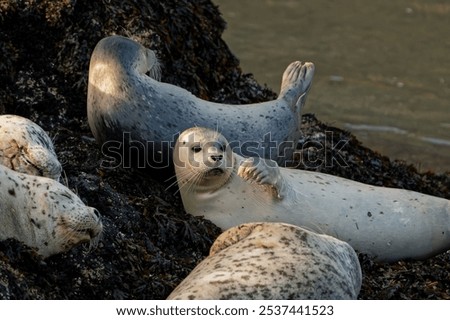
[
  {"x": 297, "y": 79},
  {"x": 263, "y": 171}
]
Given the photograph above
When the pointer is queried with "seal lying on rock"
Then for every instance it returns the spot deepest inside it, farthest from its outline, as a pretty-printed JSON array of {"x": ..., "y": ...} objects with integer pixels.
[
  {"x": 129, "y": 110},
  {"x": 385, "y": 223},
  {"x": 25, "y": 147},
  {"x": 274, "y": 261},
  {"x": 44, "y": 214}
]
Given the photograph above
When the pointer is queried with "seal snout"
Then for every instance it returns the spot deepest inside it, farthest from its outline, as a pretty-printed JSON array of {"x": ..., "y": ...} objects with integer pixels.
[
  {"x": 215, "y": 154},
  {"x": 96, "y": 230},
  {"x": 215, "y": 161},
  {"x": 215, "y": 157}
]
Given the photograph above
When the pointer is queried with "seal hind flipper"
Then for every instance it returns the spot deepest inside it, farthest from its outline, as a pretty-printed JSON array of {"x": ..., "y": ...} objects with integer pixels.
[{"x": 296, "y": 82}]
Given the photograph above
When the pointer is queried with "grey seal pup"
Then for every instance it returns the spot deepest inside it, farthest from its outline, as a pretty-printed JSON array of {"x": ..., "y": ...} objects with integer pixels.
[
  {"x": 26, "y": 147},
  {"x": 44, "y": 214},
  {"x": 385, "y": 223},
  {"x": 274, "y": 261},
  {"x": 131, "y": 111}
]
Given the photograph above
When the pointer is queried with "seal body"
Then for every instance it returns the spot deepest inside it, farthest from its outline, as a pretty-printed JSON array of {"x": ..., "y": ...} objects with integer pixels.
[
  {"x": 386, "y": 223},
  {"x": 274, "y": 261},
  {"x": 25, "y": 147},
  {"x": 44, "y": 214},
  {"x": 130, "y": 110}
]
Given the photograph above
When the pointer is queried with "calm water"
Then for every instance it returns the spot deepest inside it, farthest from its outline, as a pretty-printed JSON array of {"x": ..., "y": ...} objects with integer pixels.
[{"x": 382, "y": 67}]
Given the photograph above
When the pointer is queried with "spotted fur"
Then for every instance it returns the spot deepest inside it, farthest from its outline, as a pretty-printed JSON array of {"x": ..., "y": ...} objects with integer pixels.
[
  {"x": 44, "y": 214},
  {"x": 274, "y": 261},
  {"x": 25, "y": 147}
]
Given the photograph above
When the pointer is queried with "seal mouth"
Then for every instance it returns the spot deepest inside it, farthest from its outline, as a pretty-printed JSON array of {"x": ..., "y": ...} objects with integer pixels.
[{"x": 215, "y": 172}]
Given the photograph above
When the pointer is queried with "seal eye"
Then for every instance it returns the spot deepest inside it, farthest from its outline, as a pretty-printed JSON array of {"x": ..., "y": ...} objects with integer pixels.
[{"x": 196, "y": 149}]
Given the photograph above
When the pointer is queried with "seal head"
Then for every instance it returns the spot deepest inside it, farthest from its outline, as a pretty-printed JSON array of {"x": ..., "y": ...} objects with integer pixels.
[
  {"x": 205, "y": 159},
  {"x": 25, "y": 147},
  {"x": 44, "y": 214}
]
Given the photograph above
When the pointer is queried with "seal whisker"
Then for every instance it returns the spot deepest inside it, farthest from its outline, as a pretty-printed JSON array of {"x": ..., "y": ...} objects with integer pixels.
[
  {"x": 171, "y": 178},
  {"x": 194, "y": 181},
  {"x": 93, "y": 243},
  {"x": 182, "y": 182},
  {"x": 65, "y": 179},
  {"x": 183, "y": 179},
  {"x": 174, "y": 177},
  {"x": 53, "y": 138}
]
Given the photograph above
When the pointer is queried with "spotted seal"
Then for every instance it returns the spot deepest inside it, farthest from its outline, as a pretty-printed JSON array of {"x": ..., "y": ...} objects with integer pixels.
[
  {"x": 386, "y": 223},
  {"x": 274, "y": 261},
  {"x": 44, "y": 214},
  {"x": 127, "y": 109},
  {"x": 26, "y": 147}
]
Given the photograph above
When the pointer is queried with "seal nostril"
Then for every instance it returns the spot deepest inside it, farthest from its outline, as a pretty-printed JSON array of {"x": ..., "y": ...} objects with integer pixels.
[
  {"x": 217, "y": 157},
  {"x": 97, "y": 213}
]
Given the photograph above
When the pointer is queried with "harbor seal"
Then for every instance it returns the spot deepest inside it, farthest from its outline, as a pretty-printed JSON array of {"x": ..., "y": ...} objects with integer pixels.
[
  {"x": 129, "y": 111},
  {"x": 274, "y": 261},
  {"x": 25, "y": 147},
  {"x": 44, "y": 214},
  {"x": 385, "y": 223}
]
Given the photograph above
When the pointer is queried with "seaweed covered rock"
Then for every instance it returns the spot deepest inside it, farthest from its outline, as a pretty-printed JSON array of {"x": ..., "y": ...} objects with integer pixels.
[
  {"x": 331, "y": 150},
  {"x": 150, "y": 244}
]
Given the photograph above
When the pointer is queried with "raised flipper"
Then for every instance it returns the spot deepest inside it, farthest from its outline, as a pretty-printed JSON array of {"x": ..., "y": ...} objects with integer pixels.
[
  {"x": 263, "y": 171},
  {"x": 297, "y": 79}
]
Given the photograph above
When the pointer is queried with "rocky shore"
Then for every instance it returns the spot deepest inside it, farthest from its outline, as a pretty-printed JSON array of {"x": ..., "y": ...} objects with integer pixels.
[{"x": 150, "y": 244}]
